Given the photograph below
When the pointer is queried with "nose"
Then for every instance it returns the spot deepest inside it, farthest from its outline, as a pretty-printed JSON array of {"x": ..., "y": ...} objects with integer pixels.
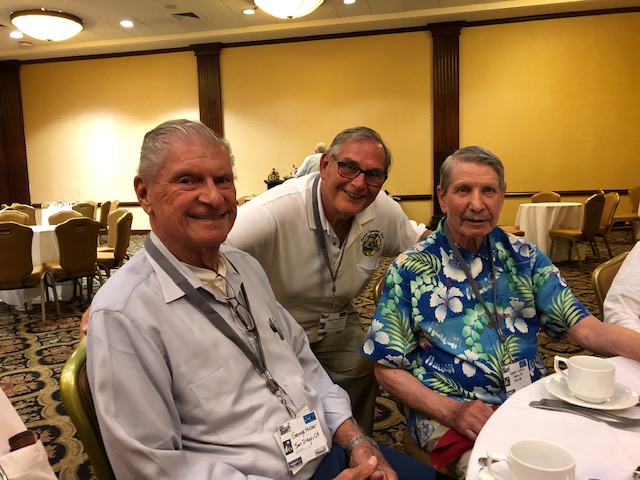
[
  {"x": 476, "y": 201},
  {"x": 360, "y": 181},
  {"x": 210, "y": 194}
]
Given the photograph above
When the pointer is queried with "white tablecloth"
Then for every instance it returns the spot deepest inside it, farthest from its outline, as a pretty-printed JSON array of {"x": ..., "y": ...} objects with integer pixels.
[
  {"x": 536, "y": 219},
  {"x": 44, "y": 248},
  {"x": 601, "y": 452}
]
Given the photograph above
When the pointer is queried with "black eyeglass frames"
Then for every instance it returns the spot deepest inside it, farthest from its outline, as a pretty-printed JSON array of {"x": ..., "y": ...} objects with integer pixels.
[{"x": 373, "y": 178}]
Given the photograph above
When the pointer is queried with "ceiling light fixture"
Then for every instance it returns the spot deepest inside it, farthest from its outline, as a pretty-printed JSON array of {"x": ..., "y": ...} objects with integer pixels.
[
  {"x": 288, "y": 8},
  {"x": 49, "y": 25}
]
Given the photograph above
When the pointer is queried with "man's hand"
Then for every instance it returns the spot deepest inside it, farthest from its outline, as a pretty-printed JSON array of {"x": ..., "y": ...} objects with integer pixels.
[
  {"x": 84, "y": 323},
  {"x": 468, "y": 418},
  {"x": 361, "y": 472},
  {"x": 361, "y": 456}
]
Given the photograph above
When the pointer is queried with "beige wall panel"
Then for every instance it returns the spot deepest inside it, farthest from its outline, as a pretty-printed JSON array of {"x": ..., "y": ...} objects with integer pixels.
[
  {"x": 280, "y": 100},
  {"x": 85, "y": 120},
  {"x": 557, "y": 100}
]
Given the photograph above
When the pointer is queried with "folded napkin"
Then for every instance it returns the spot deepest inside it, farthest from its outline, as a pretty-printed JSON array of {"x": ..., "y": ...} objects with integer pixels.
[{"x": 450, "y": 448}]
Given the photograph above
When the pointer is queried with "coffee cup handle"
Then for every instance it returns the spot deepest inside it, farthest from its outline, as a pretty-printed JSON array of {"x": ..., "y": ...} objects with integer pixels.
[
  {"x": 495, "y": 457},
  {"x": 557, "y": 360}
]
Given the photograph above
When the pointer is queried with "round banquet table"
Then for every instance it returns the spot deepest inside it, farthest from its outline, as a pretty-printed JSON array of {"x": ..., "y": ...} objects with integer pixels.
[
  {"x": 601, "y": 452},
  {"x": 536, "y": 219}
]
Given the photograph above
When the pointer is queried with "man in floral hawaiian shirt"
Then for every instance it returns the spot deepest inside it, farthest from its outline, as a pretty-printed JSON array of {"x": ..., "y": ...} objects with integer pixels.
[{"x": 450, "y": 357}]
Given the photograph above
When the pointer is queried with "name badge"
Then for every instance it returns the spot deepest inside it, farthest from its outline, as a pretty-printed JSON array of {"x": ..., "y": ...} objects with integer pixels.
[
  {"x": 516, "y": 375},
  {"x": 301, "y": 440},
  {"x": 331, "y": 323}
]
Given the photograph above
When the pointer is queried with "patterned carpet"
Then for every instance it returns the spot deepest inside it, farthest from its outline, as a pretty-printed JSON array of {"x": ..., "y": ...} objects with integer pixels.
[{"x": 32, "y": 354}]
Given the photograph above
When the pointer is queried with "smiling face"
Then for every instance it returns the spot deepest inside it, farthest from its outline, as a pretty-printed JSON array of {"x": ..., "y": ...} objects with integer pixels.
[
  {"x": 191, "y": 200},
  {"x": 472, "y": 203},
  {"x": 343, "y": 198}
]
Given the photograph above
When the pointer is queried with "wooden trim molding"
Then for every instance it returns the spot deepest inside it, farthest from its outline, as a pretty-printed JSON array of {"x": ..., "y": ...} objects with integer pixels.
[
  {"x": 14, "y": 173},
  {"x": 210, "y": 85},
  {"x": 446, "y": 98}
]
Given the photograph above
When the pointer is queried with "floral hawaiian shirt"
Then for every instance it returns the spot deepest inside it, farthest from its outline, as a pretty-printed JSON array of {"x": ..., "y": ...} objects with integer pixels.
[{"x": 429, "y": 322}]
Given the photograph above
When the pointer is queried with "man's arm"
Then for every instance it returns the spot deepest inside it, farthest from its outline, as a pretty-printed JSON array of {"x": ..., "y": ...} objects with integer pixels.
[
  {"x": 467, "y": 418},
  {"x": 622, "y": 304},
  {"x": 606, "y": 338}
]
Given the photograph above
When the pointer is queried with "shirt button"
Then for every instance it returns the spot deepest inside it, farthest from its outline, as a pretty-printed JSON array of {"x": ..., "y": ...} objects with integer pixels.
[{"x": 284, "y": 382}]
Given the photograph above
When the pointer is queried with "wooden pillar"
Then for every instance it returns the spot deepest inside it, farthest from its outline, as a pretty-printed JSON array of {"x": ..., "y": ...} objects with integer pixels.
[
  {"x": 14, "y": 174},
  {"x": 446, "y": 99},
  {"x": 209, "y": 88}
]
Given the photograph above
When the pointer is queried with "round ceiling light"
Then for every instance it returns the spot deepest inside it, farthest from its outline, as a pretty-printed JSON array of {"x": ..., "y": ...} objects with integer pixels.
[
  {"x": 49, "y": 25},
  {"x": 288, "y": 8}
]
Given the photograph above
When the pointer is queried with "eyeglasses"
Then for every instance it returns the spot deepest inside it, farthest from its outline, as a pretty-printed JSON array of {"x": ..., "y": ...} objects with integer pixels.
[
  {"x": 239, "y": 311},
  {"x": 373, "y": 178}
]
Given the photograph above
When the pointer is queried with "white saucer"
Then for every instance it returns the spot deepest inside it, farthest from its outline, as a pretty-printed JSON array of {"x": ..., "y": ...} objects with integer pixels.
[
  {"x": 500, "y": 468},
  {"x": 623, "y": 397}
]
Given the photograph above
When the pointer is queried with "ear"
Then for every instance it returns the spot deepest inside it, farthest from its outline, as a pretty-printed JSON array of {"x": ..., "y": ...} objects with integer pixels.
[
  {"x": 324, "y": 165},
  {"x": 441, "y": 200},
  {"x": 142, "y": 192}
]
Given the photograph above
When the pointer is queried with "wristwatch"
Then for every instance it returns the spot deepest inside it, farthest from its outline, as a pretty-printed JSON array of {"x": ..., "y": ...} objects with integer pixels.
[{"x": 356, "y": 440}]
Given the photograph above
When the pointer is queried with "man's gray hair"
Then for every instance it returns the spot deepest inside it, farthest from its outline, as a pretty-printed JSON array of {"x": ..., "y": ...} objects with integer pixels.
[
  {"x": 159, "y": 141},
  {"x": 320, "y": 147},
  {"x": 473, "y": 154},
  {"x": 359, "y": 133}
]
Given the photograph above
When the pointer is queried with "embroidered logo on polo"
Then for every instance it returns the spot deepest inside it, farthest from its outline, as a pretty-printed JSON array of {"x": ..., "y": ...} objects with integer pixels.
[{"x": 371, "y": 242}]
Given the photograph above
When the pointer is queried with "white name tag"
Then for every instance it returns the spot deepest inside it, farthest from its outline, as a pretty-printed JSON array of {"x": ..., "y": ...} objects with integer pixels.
[
  {"x": 331, "y": 323},
  {"x": 516, "y": 375},
  {"x": 301, "y": 440}
]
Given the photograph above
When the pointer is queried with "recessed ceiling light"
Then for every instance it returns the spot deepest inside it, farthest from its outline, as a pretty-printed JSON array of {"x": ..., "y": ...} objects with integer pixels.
[
  {"x": 126, "y": 23},
  {"x": 249, "y": 11},
  {"x": 16, "y": 34},
  {"x": 348, "y": 2}
]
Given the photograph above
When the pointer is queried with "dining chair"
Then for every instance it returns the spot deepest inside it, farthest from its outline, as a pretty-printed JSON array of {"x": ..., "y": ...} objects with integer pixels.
[
  {"x": 512, "y": 229},
  {"x": 593, "y": 207},
  {"x": 17, "y": 270},
  {"x": 112, "y": 233},
  {"x": 602, "y": 278},
  {"x": 86, "y": 209},
  {"x": 108, "y": 259},
  {"x": 62, "y": 216},
  {"x": 545, "y": 196},
  {"x": 105, "y": 208},
  {"x": 14, "y": 216},
  {"x": 633, "y": 218},
  {"x": 114, "y": 205},
  {"x": 78, "y": 403},
  {"x": 77, "y": 239},
  {"x": 611, "y": 201},
  {"x": 28, "y": 209}
]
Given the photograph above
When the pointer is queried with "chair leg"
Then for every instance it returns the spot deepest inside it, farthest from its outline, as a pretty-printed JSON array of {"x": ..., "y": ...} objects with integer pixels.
[
  {"x": 574, "y": 248},
  {"x": 43, "y": 299},
  {"x": 553, "y": 241},
  {"x": 606, "y": 243},
  {"x": 54, "y": 287}
]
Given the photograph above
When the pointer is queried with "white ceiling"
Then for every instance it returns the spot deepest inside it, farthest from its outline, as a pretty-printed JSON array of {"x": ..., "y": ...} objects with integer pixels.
[{"x": 158, "y": 27}]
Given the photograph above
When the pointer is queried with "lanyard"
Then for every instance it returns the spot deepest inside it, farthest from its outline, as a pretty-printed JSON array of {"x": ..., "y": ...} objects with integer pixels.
[
  {"x": 197, "y": 299},
  {"x": 322, "y": 242},
  {"x": 493, "y": 316}
]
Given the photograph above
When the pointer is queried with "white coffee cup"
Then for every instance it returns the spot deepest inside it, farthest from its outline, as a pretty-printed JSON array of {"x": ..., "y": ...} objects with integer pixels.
[
  {"x": 534, "y": 460},
  {"x": 591, "y": 379}
]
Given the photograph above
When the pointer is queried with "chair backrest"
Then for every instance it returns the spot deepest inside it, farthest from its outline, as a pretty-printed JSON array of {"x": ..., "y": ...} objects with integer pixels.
[
  {"x": 77, "y": 240},
  {"x": 15, "y": 254},
  {"x": 86, "y": 209},
  {"x": 78, "y": 402},
  {"x": 14, "y": 216},
  {"x": 112, "y": 224},
  {"x": 105, "y": 208},
  {"x": 634, "y": 198},
  {"x": 545, "y": 196},
  {"x": 28, "y": 209},
  {"x": 593, "y": 207},
  {"x": 611, "y": 201},
  {"x": 377, "y": 289},
  {"x": 123, "y": 236},
  {"x": 114, "y": 205},
  {"x": 602, "y": 278},
  {"x": 62, "y": 216}
]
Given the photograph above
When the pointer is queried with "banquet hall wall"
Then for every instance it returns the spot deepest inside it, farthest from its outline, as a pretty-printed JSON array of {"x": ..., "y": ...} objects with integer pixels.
[{"x": 555, "y": 99}]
